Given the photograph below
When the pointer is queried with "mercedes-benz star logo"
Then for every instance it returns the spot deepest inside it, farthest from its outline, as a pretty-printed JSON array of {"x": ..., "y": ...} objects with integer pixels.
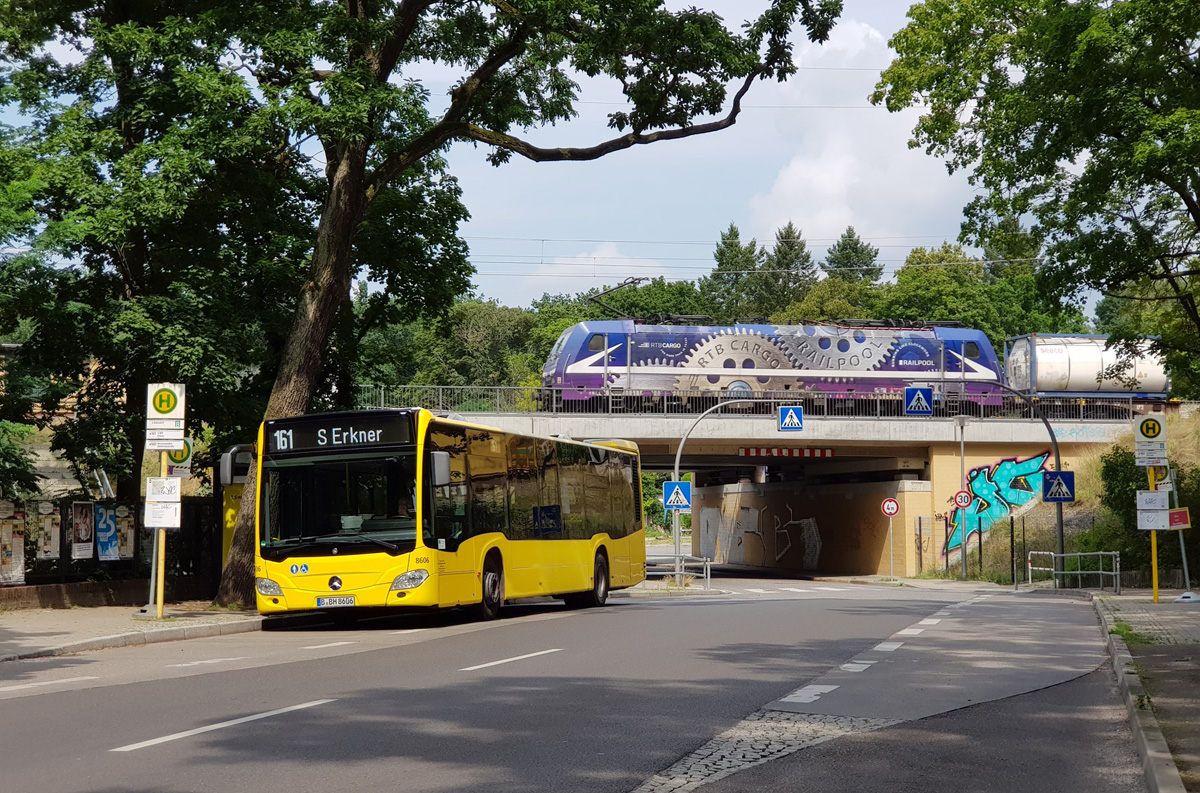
[{"x": 335, "y": 583}]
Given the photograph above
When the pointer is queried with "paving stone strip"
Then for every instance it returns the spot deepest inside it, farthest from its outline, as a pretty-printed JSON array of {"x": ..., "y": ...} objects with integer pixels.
[{"x": 763, "y": 736}]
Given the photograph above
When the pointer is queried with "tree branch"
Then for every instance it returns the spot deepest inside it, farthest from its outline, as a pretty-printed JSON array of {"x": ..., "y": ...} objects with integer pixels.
[
  {"x": 403, "y": 24},
  {"x": 581, "y": 154},
  {"x": 450, "y": 126}
]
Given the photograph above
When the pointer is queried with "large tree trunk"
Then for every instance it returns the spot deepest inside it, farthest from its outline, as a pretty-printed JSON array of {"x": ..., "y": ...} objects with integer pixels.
[{"x": 327, "y": 288}]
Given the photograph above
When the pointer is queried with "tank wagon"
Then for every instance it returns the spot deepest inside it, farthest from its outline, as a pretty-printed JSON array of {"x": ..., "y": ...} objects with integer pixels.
[
  {"x": 627, "y": 359},
  {"x": 1046, "y": 365}
]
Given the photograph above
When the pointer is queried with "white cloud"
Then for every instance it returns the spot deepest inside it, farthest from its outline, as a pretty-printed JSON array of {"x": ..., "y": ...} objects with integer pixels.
[
  {"x": 855, "y": 167},
  {"x": 526, "y": 276}
]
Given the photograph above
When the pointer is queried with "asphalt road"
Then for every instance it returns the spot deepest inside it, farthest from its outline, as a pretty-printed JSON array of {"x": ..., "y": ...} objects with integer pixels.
[{"x": 639, "y": 694}]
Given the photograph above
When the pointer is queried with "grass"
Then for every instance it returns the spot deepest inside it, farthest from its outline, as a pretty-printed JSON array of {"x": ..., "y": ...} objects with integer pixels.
[{"x": 1131, "y": 637}]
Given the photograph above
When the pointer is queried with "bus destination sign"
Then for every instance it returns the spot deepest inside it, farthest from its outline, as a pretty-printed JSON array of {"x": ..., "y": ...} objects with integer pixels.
[{"x": 337, "y": 432}]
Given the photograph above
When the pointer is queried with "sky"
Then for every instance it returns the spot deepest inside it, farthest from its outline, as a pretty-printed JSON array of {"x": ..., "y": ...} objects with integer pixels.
[{"x": 811, "y": 150}]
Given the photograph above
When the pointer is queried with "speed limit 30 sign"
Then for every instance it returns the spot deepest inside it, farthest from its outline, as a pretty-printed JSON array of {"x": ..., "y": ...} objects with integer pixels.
[
  {"x": 962, "y": 499},
  {"x": 890, "y": 507}
]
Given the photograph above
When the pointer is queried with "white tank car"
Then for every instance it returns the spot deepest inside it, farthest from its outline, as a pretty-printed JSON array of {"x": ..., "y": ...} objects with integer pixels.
[{"x": 1074, "y": 365}]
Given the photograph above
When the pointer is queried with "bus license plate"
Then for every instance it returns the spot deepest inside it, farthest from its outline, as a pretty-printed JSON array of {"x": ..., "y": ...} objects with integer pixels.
[{"x": 338, "y": 601}]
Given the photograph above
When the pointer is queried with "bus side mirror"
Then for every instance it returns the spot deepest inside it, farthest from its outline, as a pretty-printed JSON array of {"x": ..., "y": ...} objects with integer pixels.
[
  {"x": 235, "y": 464},
  {"x": 441, "y": 468}
]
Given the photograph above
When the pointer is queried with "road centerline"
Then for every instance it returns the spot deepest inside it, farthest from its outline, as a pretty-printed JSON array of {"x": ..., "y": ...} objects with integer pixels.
[
  {"x": 21, "y": 686},
  {"x": 510, "y": 660},
  {"x": 323, "y": 646},
  {"x": 220, "y": 725}
]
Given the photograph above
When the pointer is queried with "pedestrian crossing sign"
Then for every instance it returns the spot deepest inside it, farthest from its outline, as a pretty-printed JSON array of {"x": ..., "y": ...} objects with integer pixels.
[
  {"x": 1058, "y": 487},
  {"x": 918, "y": 401},
  {"x": 791, "y": 418},
  {"x": 677, "y": 495}
]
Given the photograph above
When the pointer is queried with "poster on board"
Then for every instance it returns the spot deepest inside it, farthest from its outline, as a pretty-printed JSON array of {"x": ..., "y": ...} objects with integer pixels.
[
  {"x": 83, "y": 542},
  {"x": 43, "y": 522},
  {"x": 126, "y": 530},
  {"x": 12, "y": 544},
  {"x": 106, "y": 532}
]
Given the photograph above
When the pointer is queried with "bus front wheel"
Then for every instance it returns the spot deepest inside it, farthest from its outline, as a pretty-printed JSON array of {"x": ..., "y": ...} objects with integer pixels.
[{"x": 492, "y": 583}]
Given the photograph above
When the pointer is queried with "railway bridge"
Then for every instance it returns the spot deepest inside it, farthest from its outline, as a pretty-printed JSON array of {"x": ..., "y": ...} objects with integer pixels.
[{"x": 809, "y": 500}]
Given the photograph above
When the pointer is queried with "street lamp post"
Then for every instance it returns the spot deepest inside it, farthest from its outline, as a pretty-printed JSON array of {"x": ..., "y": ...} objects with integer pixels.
[{"x": 675, "y": 512}]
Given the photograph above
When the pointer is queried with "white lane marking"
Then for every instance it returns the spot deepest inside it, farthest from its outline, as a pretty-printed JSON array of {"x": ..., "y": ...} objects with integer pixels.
[
  {"x": 323, "y": 646},
  {"x": 830, "y": 588},
  {"x": 857, "y": 666},
  {"x": 47, "y": 683},
  {"x": 888, "y": 647},
  {"x": 808, "y": 694},
  {"x": 795, "y": 589},
  {"x": 410, "y": 630},
  {"x": 207, "y": 661},
  {"x": 758, "y": 591},
  {"x": 220, "y": 725},
  {"x": 509, "y": 660},
  {"x": 942, "y": 614},
  {"x": 929, "y": 622},
  {"x": 910, "y": 632}
]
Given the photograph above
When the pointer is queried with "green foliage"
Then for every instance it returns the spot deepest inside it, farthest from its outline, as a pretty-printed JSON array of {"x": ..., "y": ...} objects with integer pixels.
[
  {"x": 945, "y": 284},
  {"x": 750, "y": 283},
  {"x": 1082, "y": 116},
  {"x": 1116, "y": 528},
  {"x": 17, "y": 475},
  {"x": 832, "y": 299},
  {"x": 852, "y": 259}
]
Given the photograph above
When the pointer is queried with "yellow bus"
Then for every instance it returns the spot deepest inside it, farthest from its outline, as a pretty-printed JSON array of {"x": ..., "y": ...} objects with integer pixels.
[{"x": 405, "y": 509}]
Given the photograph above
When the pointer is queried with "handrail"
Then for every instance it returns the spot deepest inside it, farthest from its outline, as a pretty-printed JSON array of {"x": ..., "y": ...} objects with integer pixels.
[
  {"x": 523, "y": 400},
  {"x": 1058, "y": 571},
  {"x": 679, "y": 562}
]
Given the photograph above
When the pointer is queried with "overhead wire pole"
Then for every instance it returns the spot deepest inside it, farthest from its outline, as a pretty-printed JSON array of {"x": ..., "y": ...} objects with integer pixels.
[{"x": 678, "y": 457}]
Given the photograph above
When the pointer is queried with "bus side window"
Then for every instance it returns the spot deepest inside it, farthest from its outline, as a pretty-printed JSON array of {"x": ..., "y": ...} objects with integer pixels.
[
  {"x": 451, "y": 522},
  {"x": 523, "y": 487}
]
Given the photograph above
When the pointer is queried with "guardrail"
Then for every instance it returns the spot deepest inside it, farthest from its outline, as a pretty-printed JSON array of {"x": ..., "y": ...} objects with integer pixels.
[
  {"x": 558, "y": 401},
  {"x": 679, "y": 566},
  {"x": 1080, "y": 572}
]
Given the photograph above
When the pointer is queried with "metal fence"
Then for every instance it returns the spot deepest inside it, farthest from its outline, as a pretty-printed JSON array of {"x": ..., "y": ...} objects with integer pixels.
[
  {"x": 1085, "y": 564},
  {"x": 558, "y": 401},
  {"x": 677, "y": 566}
]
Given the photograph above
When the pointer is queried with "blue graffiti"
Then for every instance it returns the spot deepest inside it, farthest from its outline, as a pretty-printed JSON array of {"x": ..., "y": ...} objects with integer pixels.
[{"x": 996, "y": 491}]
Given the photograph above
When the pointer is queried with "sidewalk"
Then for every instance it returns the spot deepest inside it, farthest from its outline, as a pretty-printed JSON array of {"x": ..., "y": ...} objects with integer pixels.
[
  {"x": 1158, "y": 672},
  {"x": 35, "y": 633}
]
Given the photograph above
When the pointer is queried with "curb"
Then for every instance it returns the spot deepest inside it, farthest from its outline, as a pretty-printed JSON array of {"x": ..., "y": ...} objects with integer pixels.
[
  {"x": 135, "y": 638},
  {"x": 1162, "y": 775}
]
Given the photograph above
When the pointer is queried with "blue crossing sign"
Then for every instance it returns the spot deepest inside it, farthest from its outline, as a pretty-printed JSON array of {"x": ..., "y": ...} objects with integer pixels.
[
  {"x": 918, "y": 401},
  {"x": 1058, "y": 487},
  {"x": 791, "y": 418},
  {"x": 677, "y": 495}
]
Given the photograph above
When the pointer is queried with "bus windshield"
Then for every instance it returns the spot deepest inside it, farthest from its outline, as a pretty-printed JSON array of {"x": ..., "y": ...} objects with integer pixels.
[{"x": 338, "y": 504}]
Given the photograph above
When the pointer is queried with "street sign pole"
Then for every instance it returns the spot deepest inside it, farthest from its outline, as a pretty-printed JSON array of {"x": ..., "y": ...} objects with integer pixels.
[
  {"x": 1188, "y": 595},
  {"x": 891, "y": 552},
  {"x": 1153, "y": 542}
]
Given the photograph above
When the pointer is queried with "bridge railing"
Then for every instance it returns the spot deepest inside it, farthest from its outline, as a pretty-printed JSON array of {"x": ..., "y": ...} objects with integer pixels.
[{"x": 558, "y": 401}]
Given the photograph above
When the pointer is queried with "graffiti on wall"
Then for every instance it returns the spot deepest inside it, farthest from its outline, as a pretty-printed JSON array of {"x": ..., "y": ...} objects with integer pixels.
[
  {"x": 997, "y": 491},
  {"x": 736, "y": 536}
]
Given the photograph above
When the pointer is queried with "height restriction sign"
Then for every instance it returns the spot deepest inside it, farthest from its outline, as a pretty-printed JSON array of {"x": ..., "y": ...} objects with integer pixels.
[{"x": 164, "y": 401}]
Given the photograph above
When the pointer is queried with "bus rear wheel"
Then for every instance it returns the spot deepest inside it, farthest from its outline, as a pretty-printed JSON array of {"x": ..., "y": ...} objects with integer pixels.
[
  {"x": 599, "y": 593},
  {"x": 492, "y": 584}
]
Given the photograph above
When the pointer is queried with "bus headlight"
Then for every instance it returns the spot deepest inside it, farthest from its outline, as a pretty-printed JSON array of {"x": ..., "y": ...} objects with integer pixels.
[
  {"x": 266, "y": 586},
  {"x": 410, "y": 580}
]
